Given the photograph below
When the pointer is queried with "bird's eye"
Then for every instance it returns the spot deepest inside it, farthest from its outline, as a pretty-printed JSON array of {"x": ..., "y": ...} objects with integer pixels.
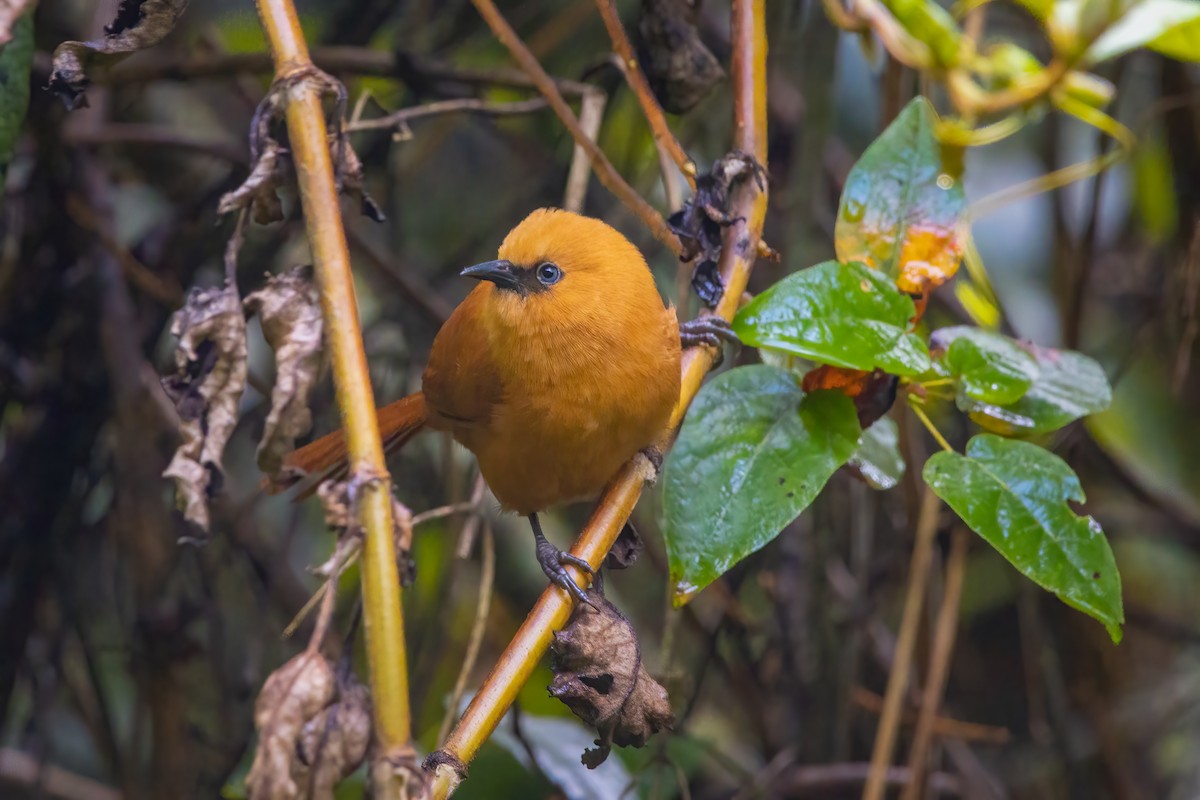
[{"x": 548, "y": 274}]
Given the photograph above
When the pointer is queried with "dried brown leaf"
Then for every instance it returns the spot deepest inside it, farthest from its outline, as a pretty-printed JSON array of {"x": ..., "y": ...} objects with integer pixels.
[
  {"x": 334, "y": 743},
  {"x": 680, "y": 68},
  {"x": 259, "y": 192},
  {"x": 206, "y": 388},
  {"x": 10, "y": 12},
  {"x": 353, "y": 177},
  {"x": 599, "y": 675},
  {"x": 290, "y": 312},
  {"x": 139, "y": 24},
  {"x": 626, "y": 549},
  {"x": 337, "y": 498}
]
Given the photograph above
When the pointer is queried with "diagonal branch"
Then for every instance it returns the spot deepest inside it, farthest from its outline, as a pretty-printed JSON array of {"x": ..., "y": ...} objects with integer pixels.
[
  {"x": 552, "y": 609},
  {"x": 322, "y": 218},
  {"x": 605, "y": 171},
  {"x": 636, "y": 79}
]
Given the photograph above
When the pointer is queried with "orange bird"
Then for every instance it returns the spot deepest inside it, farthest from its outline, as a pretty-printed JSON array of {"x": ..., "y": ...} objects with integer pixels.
[{"x": 554, "y": 371}]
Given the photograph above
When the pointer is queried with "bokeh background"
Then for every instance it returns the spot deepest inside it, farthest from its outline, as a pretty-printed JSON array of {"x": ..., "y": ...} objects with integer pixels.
[{"x": 129, "y": 662}]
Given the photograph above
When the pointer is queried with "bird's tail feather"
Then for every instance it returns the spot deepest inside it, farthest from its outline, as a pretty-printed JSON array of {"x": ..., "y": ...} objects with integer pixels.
[{"x": 326, "y": 457}]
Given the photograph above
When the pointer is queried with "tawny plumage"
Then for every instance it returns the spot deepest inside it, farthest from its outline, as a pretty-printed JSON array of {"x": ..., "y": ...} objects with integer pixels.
[{"x": 556, "y": 369}]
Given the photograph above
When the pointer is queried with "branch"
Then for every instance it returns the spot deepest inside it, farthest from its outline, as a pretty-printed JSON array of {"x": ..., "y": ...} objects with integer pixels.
[
  {"x": 605, "y": 171},
  {"x": 663, "y": 137},
  {"x": 466, "y": 104},
  {"x": 552, "y": 609},
  {"x": 889, "y": 720},
  {"x": 322, "y": 216},
  {"x": 591, "y": 114}
]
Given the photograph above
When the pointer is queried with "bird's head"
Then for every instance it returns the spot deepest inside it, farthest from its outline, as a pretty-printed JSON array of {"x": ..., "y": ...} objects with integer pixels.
[{"x": 557, "y": 259}]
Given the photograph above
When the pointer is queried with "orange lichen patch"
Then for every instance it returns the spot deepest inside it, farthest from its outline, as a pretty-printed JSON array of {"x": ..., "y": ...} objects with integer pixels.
[{"x": 929, "y": 257}]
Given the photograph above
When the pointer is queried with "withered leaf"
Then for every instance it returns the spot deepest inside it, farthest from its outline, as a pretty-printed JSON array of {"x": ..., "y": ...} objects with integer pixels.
[
  {"x": 626, "y": 549},
  {"x": 292, "y": 696},
  {"x": 139, "y": 24},
  {"x": 206, "y": 389},
  {"x": 338, "y": 498},
  {"x": 259, "y": 192},
  {"x": 334, "y": 743},
  {"x": 701, "y": 222},
  {"x": 599, "y": 675},
  {"x": 680, "y": 69},
  {"x": 352, "y": 176},
  {"x": 873, "y": 393},
  {"x": 290, "y": 312}
]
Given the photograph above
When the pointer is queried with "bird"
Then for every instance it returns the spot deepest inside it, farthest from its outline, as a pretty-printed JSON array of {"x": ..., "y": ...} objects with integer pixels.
[{"x": 557, "y": 368}]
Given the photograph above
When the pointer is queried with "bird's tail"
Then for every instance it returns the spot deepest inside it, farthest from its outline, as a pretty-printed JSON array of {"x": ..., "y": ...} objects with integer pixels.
[{"x": 327, "y": 458}]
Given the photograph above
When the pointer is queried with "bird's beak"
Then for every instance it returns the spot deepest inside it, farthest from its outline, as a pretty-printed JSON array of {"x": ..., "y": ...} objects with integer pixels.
[{"x": 500, "y": 273}]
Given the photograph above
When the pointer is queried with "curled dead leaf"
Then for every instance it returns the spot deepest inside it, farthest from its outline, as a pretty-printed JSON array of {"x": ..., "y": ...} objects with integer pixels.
[
  {"x": 290, "y": 312},
  {"x": 206, "y": 389},
  {"x": 338, "y": 498},
  {"x": 313, "y": 730},
  {"x": 259, "y": 192},
  {"x": 626, "y": 549},
  {"x": 599, "y": 675},
  {"x": 873, "y": 393},
  {"x": 139, "y": 24},
  {"x": 701, "y": 222},
  {"x": 680, "y": 68},
  {"x": 352, "y": 179}
]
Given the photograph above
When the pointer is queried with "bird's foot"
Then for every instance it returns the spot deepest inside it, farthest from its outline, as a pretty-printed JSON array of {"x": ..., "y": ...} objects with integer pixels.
[
  {"x": 710, "y": 331},
  {"x": 553, "y": 562}
]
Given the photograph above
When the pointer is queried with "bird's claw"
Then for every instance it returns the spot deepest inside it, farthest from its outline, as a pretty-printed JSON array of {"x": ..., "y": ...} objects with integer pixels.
[
  {"x": 707, "y": 330},
  {"x": 552, "y": 561}
]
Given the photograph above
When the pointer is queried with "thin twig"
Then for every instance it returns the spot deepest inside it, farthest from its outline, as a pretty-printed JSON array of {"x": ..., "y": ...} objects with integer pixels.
[
  {"x": 889, "y": 719},
  {"x": 472, "y": 105},
  {"x": 475, "y": 641},
  {"x": 135, "y": 133},
  {"x": 939, "y": 665},
  {"x": 308, "y": 134},
  {"x": 748, "y": 209},
  {"x": 50, "y": 781},
  {"x": 944, "y": 727},
  {"x": 444, "y": 511},
  {"x": 605, "y": 171},
  {"x": 636, "y": 79},
  {"x": 414, "y": 287},
  {"x": 819, "y": 780},
  {"x": 591, "y": 113}
]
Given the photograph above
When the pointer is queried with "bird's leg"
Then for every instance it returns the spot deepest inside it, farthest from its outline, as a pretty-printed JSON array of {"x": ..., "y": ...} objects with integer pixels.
[
  {"x": 707, "y": 330},
  {"x": 552, "y": 560}
]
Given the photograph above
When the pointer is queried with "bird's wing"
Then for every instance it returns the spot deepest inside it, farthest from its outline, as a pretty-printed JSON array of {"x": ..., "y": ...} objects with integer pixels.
[{"x": 461, "y": 383}]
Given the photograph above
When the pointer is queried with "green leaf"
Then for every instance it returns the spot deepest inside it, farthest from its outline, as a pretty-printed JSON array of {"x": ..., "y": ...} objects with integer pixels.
[
  {"x": 753, "y": 452},
  {"x": 929, "y": 23},
  {"x": 878, "y": 457},
  {"x": 15, "y": 58},
  {"x": 841, "y": 314},
  {"x": 1069, "y": 385},
  {"x": 990, "y": 367},
  {"x": 1171, "y": 27},
  {"x": 1014, "y": 494},
  {"x": 1039, "y": 8},
  {"x": 902, "y": 210}
]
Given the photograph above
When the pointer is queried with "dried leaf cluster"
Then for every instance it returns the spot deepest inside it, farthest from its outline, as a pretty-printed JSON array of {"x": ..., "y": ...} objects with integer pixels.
[
  {"x": 701, "y": 222},
  {"x": 680, "y": 68},
  {"x": 599, "y": 675},
  {"x": 139, "y": 24},
  {"x": 314, "y": 726},
  {"x": 211, "y": 376},
  {"x": 339, "y": 500}
]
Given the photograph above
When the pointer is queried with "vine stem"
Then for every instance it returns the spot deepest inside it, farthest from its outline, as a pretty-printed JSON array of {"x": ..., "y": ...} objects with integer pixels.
[
  {"x": 636, "y": 79},
  {"x": 606, "y": 173},
  {"x": 384, "y": 622},
  {"x": 906, "y": 641},
  {"x": 749, "y": 207}
]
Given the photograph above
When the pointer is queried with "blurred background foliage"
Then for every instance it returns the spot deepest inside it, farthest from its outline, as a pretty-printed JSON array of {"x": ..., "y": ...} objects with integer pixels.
[{"x": 129, "y": 663}]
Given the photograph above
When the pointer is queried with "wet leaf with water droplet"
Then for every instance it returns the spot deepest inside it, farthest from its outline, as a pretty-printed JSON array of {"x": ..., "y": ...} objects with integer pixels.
[
  {"x": 902, "y": 210},
  {"x": 878, "y": 461},
  {"x": 845, "y": 315},
  {"x": 1015, "y": 495},
  {"x": 753, "y": 452},
  {"x": 990, "y": 367}
]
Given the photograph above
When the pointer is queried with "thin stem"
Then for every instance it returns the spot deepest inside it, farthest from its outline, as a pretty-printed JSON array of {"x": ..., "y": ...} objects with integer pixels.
[
  {"x": 605, "y": 171},
  {"x": 327, "y": 240},
  {"x": 889, "y": 718},
  {"x": 591, "y": 114},
  {"x": 520, "y": 658},
  {"x": 939, "y": 666},
  {"x": 475, "y": 641},
  {"x": 472, "y": 105},
  {"x": 929, "y": 426},
  {"x": 636, "y": 79}
]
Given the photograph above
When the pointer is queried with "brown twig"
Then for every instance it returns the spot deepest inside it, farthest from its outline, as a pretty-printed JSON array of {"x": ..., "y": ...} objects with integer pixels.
[
  {"x": 50, "y": 781},
  {"x": 413, "y": 286},
  {"x": 889, "y": 718},
  {"x": 475, "y": 640},
  {"x": 945, "y": 727},
  {"x": 135, "y": 133},
  {"x": 816, "y": 780},
  {"x": 605, "y": 171},
  {"x": 636, "y": 79},
  {"x": 444, "y": 511},
  {"x": 748, "y": 209},
  {"x": 939, "y": 665},
  {"x": 471, "y": 105},
  {"x": 591, "y": 114}
]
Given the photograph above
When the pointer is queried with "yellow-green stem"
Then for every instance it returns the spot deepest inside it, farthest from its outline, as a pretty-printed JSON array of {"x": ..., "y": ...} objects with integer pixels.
[{"x": 384, "y": 622}]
